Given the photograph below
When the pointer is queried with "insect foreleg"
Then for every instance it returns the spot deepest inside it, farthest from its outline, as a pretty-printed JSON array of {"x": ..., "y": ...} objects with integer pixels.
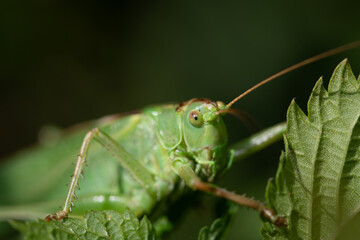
[
  {"x": 195, "y": 182},
  {"x": 136, "y": 169},
  {"x": 258, "y": 141}
]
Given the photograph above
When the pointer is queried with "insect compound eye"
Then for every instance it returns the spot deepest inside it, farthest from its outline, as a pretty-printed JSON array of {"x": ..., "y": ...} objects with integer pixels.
[
  {"x": 196, "y": 118},
  {"x": 220, "y": 104}
]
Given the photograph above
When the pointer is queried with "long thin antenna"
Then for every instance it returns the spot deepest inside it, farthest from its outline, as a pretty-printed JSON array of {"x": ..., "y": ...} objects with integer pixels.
[{"x": 298, "y": 65}]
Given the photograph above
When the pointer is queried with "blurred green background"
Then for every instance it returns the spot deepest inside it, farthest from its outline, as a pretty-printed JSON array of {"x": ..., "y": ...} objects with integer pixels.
[{"x": 64, "y": 62}]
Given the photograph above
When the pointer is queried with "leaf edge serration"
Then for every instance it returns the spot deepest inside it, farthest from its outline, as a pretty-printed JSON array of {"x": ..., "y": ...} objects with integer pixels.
[{"x": 277, "y": 193}]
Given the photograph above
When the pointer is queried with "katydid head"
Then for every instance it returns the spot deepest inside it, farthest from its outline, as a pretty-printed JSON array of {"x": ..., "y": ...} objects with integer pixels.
[
  {"x": 205, "y": 136},
  {"x": 204, "y": 131}
]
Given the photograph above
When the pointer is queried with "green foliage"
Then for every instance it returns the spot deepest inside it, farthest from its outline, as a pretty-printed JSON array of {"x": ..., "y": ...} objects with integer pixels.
[
  {"x": 317, "y": 185},
  {"x": 110, "y": 225},
  {"x": 218, "y": 229},
  {"x": 95, "y": 225}
]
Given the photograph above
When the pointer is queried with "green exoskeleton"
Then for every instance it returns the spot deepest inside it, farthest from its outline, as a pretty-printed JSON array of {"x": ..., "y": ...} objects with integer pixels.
[
  {"x": 137, "y": 161},
  {"x": 159, "y": 146}
]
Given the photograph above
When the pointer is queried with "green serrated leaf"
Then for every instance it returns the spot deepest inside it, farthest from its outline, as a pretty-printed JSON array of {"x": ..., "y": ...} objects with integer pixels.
[
  {"x": 218, "y": 229},
  {"x": 215, "y": 231},
  {"x": 96, "y": 225},
  {"x": 317, "y": 185}
]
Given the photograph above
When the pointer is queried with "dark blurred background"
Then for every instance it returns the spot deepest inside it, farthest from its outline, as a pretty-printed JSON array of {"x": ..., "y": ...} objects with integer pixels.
[{"x": 64, "y": 62}]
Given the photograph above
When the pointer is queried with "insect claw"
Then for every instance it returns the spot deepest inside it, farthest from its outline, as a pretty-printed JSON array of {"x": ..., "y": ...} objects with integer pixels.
[{"x": 276, "y": 220}]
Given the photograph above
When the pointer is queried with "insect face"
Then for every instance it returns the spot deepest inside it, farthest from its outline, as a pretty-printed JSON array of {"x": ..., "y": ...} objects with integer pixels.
[{"x": 205, "y": 136}]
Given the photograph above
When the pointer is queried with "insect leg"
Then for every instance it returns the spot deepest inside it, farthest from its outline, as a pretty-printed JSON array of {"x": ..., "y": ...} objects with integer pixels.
[
  {"x": 136, "y": 169},
  {"x": 258, "y": 141},
  {"x": 195, "y": 182},
  {"x": 138, "y": 201}
]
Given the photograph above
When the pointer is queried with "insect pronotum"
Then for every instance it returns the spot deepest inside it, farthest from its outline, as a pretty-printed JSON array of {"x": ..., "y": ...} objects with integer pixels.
[{"x": 159, "y": 150}]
